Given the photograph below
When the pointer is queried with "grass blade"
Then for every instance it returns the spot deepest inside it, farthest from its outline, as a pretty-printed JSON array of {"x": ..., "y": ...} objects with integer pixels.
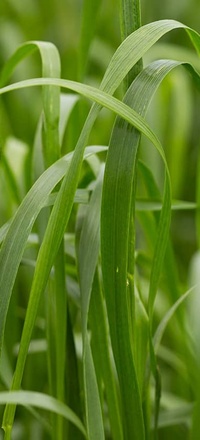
[
  {"x": 43, "y": 401},
  {"x": 18, "y": 232},
  {"x": 87, "y": 260},
  {"x": 130, "y": 18},
  {"x": 116, "y": 212}
]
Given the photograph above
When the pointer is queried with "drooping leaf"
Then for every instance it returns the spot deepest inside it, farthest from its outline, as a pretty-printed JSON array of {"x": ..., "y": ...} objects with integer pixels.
[{"x": 43, "y": 401}]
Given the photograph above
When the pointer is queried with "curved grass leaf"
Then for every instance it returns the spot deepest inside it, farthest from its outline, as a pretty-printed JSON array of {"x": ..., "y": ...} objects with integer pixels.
[
  {"x": 51, "y": 95},
  {"x": 99, "y": 96},
  {"x": 43, "y": 401},
  {"x": 49, "y": 57},
  {"x": 163, "y": 324}
]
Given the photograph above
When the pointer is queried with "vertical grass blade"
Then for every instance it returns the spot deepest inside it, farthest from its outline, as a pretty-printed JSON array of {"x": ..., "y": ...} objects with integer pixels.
[
  {"x": 116, "y": 212},
  {"x": 103, "y": 357},
  {"x": 87, "y": 260},
  {"x": 130, "y": 19}
]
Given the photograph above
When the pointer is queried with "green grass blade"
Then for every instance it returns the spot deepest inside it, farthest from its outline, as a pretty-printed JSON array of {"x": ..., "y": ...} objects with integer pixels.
[
  {"x": 81, "y": 197},
  {"x": 103, "y": 358},
  {"x": 43, "y": 401},
  {"x": 18, "y": 232},
  {"x": 102, "y": 99},
  {"x": 116, "y": 211},
  {"x": 94, "y": 420},
  {"x": 163, "y": 324},
  {"x": 89, "y": 249},
  {"x": 177, "y": 205},
  {"x": 149, "y": 224},
  {"x": 88, "y": 252},
  {"x": 130, "y": 18},
  {"x": 136, "y": 45},
  {"x": 51, "y": 95},
  {"x": 87, "y": 260}
]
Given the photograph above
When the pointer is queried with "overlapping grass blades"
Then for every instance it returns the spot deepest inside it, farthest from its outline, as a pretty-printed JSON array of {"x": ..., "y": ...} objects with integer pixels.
[
  {"x": 16, "y": 237},
  {"x": 50, "y": 61},
  {"x": 116, "y": 213},
  {"x": 88, "y": 252},
  {"x": 131, "y": 50},
  {"x": 130, "y": 17}
]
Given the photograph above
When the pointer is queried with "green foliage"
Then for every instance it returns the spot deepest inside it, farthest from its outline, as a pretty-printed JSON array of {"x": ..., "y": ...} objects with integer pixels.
[{"x": 99, "y": 232}]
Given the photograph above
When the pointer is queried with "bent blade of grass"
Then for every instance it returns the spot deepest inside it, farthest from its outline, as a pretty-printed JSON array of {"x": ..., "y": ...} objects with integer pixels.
[
  {"x": 43, "y": 401},
  {"x": 99, "y": 96},
  {"x": 163, "y": 324},
  {"x": 51, "y": 95},
  {"x": 125, "y": 55},
  {"x": 49, "y": 57},
  {"x": 136, "y": 45}
]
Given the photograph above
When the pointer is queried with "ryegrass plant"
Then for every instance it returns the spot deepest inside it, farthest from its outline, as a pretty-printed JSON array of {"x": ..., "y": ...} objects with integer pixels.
[{"x": 98, "y": 283}]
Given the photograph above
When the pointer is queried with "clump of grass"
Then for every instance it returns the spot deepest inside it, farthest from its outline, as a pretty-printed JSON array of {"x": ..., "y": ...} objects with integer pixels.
[{"x": 96, "y": 316}]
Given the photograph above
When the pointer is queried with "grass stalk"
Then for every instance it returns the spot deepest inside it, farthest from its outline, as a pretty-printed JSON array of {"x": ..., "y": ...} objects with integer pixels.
[{"x": 130, "y": 20}]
